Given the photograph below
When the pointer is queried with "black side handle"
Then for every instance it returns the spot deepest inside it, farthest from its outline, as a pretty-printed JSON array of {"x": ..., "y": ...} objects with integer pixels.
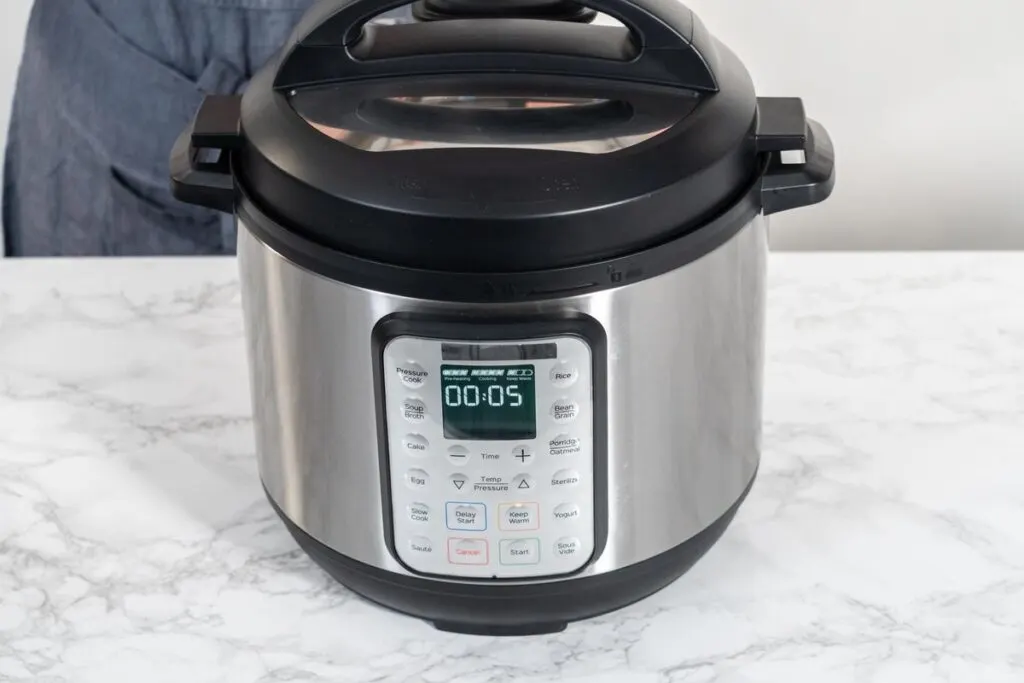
[
  {"x": 663, "y": 43},
  {"x": 214, "y": 131},
  {"x": 783, "y": 126}
]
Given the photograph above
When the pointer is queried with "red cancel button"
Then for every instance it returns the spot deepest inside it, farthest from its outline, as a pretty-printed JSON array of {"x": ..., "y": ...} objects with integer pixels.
[{"x": 467, "y": 551}]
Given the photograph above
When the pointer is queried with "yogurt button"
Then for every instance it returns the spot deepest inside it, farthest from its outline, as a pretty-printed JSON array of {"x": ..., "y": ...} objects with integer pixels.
[{"x": 566, "y": 512}]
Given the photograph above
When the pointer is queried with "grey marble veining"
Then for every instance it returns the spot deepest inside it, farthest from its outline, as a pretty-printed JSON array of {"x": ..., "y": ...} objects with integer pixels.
[{"x": 883, "y": 542}]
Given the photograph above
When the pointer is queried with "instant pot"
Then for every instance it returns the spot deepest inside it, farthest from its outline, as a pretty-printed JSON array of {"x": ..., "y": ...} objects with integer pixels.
[{"x": 503, "y": 275}]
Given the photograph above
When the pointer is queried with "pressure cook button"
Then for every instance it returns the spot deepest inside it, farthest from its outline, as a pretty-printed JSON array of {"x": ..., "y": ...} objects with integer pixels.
[
  {"x": 565, "y": 478},
  {"x": 567, "y": 547},
  {"x": 421, "y": 544},
  {"x": 564, "y": 445},
  {"x": 467, "y": 551},
  {"x": 520, "y": 551},
  {"x": 412, "y": 375},
  {"x": 414, "y": 410},
  {"x": 417, "y": 479},
  {"x": 466, "y": 516},
  {"x": 522, "y": 454},
  {"x": 419, "y": 512},
  {"x": 566, "y": 512},
  {"x": 564, "y": 410},
  {"x": 458, "y": 481},
  {"x": 564, "y": 374},
  {"x": 458, "y": 454},
  {"x": 518, "y": 517},
  {"x": 523, "y": 482},
  {"x": 415, "y": 445}
]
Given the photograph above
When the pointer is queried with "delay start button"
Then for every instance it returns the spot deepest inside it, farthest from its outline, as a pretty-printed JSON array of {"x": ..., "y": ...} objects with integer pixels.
[
  {"x": 412, "y": 375},
  {"x": 466, "y": 516}
]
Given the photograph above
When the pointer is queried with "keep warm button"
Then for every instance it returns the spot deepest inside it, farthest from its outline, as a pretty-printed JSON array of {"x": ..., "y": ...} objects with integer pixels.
[
  {"x": 467, "y": 551},
  {"x": 518, "y": 517},
  {"x": 466, "y": 516}
]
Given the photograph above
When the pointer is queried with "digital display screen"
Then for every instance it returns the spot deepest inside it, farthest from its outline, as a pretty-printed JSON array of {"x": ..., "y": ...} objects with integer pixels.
[{"x": 492, "y": 403}]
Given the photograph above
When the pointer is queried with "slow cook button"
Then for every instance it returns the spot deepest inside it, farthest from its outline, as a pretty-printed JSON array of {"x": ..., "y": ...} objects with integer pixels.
[
  {"x": 564, "y": 445},
  {"x": 421, "y": 544},
  {"x": 567, "y": 547},
  {"x": 565, "y": 478},
  {"x": 467, "y": 551},
  {"x": 415, "y": 445},
  {"x": 520, "y": 551},
  {"x": 566, "y": 512},
  {"x": 518, "y": 517},
  {"x": 412, "y": 375},
  {"x": 417, "y": 479},
  {"x": 414, "y": 410},
  {"x": 419, "y": 512},
  {"x": 564, "y": 410},
  {"x": 466, "y": 516}
]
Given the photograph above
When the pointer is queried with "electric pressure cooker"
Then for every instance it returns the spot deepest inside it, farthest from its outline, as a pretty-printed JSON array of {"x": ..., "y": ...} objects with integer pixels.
[{"x": 503, "y": 276}]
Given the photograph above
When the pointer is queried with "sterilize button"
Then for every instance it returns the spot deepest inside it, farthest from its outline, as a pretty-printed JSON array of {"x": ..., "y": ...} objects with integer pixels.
[
  {"x": 412, "y": 375},
  {"x": 520, "y": 551},
  {"x": 458, "y": 454},
  {"x": 567, "y": 511},
  {"x": 419, "y": 512},
  {"x": 523, "y": 482},
  {"x": 567, "y": 547},
  {"x": 417, "y": 479},
  {"x": 467, "y": 551},
  {"x": 523, "y": 454},
  {"x": 414, "y": 410},
  {"x": 459, "y": 481},
  {"x": 466, "y": 516},
  {"x": 415, "y": 445},
  {"x": 565, "y": 478},
  {"x": 564, "y": 410},
  {"x": 564, "y": 374},
  {"x": 421, "y": 544}
]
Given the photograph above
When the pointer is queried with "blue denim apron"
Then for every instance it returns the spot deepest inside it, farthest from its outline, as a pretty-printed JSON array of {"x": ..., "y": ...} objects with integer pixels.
[{"x": 105, "y": 87}]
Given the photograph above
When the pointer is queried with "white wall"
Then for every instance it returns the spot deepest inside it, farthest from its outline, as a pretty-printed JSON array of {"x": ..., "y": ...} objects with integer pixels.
[{"x": 925, "y": 101}]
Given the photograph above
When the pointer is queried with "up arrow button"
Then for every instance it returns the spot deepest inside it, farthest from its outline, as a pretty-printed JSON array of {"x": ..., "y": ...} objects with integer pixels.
[{"x": 523, "y": 482}]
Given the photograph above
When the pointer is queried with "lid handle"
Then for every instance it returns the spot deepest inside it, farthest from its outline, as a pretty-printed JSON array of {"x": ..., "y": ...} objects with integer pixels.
[
  {"x": 783, "y": 130},
  {"x": 214, "y": 131},
  {"x": 663, "y": 43}
]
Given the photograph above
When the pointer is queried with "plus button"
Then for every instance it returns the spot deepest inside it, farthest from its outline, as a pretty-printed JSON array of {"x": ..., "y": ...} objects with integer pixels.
[{"x": 522, "y": 453}]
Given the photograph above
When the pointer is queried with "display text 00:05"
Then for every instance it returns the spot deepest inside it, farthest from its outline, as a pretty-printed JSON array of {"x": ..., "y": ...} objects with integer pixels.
[{"x": 470, "y": 396}]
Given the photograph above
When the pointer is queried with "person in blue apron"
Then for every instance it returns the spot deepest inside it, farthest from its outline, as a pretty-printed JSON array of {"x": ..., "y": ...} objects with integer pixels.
[{"x": 104, "y": 88}]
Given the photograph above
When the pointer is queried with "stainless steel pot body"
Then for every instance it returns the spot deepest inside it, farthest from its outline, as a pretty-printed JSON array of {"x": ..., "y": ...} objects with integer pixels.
[{"x": 685, "y": 355}]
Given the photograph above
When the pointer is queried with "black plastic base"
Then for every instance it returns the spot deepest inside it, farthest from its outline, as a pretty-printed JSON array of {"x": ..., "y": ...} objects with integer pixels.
[{"x": 513, "y": 610}]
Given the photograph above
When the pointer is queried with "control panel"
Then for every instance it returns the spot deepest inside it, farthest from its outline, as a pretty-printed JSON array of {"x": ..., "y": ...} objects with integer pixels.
[{"x": 491, "y": 455}]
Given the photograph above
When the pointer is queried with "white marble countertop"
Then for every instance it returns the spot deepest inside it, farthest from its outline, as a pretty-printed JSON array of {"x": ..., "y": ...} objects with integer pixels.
[{"x": 883, "y": 542}]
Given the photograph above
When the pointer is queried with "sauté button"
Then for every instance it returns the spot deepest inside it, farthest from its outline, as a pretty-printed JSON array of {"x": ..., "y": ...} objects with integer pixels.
[
  {"x": 421, "y": 544},
  {"x": 518, "y": 516},
  {"x": 466, "y": 516},
  {"x": 458, "y": 454},
  {"x": 522, "y": 454},
  {"x": 412, "y": 375},
  {"x": 564, "y": 445},
  {"x": 565, "y": 478},
  {"x": 419, "y": 512},
  {"x": 564, "y": 410},
  {"x": 564, "y": 374},
  {"x": 414, "y": 410},
  {"x": 458, "y": 481},
  {"x": 523, "y": 482},
  {"x": 467, "y": 551},
  {"x": 567, "y": 511},
  {"x": 415, "y": 445},
  {"x": 520, "y": 551},
  {"x": 567, "y": 547},
  {"x": 417, "y": 479}
]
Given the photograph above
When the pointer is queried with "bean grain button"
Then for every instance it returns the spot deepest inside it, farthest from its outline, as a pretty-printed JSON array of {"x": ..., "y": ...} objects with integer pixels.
[
  {"x": 565, "y": 478},
  {"x": 564, "y": 410}
]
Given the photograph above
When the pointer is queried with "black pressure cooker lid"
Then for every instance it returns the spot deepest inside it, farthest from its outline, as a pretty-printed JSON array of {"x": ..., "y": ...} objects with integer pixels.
[{"x": 489, "y": 144}]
